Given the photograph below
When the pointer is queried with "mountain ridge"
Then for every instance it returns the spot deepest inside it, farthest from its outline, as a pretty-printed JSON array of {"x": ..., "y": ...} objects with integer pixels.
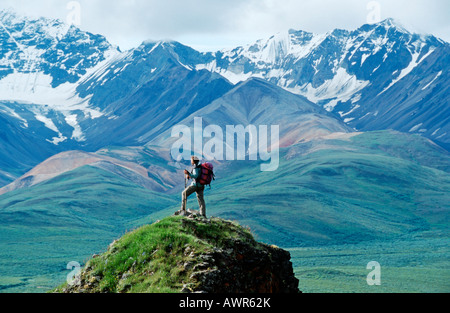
[
  {"x": 353, "y": 74},
  {"x": 349, "y": 72}
]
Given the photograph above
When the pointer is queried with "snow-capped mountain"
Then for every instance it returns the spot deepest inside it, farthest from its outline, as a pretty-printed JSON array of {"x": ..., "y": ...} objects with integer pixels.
[
  {"x": 75, "y": 88},
  {"x": 50, "y": 47},
  {"x": 144, "y": 92},
  {"x": 41, "y": 62},
  {"x": 63, "y": 88},
  {"x": 376, "y": 77}
]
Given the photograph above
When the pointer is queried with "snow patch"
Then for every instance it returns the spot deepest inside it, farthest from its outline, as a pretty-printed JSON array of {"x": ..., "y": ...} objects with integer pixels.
[
  {"x": 341, "y": 88},
  {"x": 429, "y": 84},
  {"x": 35, "y": 90},
  {"x": 364, "y": 58},
  {"x": 342, "y": 114},
  {"x": 12, "y": 113},
  {"x": 50, "y": 125},
  {"x": 435, "y": 132},
  {"x": 77, "y": 133},
  {"x": 412, "y": 65},
  {"x": 235, "y": 78},
  {"x": 348, "y": 120},
  {"x": 415, "y": 128}
]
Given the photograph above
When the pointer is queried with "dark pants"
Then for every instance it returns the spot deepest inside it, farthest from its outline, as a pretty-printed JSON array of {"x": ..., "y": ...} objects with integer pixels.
[{"x": 201, "y": 201}]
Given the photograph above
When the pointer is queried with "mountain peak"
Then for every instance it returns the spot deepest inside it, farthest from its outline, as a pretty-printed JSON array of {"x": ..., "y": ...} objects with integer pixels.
[
  {"x": 7, "y": 13},
  {"x": 21, "y": 28},
  {"x": 50, "y": 46},
  {"x": 390, "y": 21},
  {"x": 152, "y": 42},
  {"x": 10, "y": 17},
  {"x": 385, "y": 25},
  {"x": 255, "y": 81},
  {"x": 394, "y": 26},
  {"x": 393, "y": 23}
]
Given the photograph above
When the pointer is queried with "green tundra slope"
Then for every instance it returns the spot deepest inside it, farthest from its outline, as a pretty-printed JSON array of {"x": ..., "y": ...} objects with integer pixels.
[{"x": 65, "y": 219}]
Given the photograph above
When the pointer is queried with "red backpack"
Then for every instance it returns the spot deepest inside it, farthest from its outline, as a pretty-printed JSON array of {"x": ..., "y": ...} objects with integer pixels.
[{"x": 206, "y": 174}]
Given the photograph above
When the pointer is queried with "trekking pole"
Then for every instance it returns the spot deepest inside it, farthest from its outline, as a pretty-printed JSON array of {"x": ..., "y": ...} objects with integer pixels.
[{"x": 185, "y": 196}]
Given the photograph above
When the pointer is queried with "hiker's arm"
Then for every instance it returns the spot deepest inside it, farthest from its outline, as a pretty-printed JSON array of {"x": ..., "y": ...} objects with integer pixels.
[{"x": 195, "y": 173}]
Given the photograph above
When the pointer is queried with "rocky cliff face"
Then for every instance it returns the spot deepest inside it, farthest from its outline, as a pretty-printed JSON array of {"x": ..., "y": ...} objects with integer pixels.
[
  {"x": 244, "y": 269},
  {"x": 188, "y": 254},
  {"x": 243, "y": 266}
]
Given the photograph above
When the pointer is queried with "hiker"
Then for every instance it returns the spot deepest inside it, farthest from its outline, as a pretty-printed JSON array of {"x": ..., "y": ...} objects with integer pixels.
[{"x": 195, "y": 186}]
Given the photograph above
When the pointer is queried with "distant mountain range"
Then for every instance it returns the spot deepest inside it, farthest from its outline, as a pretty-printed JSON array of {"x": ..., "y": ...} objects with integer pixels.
[
  {"x": 73, "y": 89},
  {"x": 378, "y": 76}
]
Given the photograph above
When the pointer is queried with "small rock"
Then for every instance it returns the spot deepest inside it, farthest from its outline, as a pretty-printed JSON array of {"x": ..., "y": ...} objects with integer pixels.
[
  {"x": 188, "y": 265},
  {"x": 186, "y": 288}
]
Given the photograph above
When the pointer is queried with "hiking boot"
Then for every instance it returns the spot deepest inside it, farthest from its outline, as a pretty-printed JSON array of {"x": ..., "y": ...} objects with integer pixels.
[{"x": 180, "y": 213}]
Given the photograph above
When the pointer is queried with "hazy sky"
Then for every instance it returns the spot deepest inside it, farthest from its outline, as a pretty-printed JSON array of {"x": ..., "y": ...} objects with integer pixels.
[{"x": 214, "y": 24}]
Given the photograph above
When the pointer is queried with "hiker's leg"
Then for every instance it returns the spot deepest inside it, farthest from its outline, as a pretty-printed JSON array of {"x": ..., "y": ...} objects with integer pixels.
[
  {"x": 201, "y": 200},
  {"x": 185, "y": 194}
]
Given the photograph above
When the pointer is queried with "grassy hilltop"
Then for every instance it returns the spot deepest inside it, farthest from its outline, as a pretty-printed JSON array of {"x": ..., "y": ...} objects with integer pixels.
[{"x": 179, "y": 254}]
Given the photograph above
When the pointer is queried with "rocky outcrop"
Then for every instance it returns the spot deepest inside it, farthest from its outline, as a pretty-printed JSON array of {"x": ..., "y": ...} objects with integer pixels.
[
  {"x": 242, "y": 266},
  {"x": 208, "y": 256},
  {"x": 243, "y": 269}
]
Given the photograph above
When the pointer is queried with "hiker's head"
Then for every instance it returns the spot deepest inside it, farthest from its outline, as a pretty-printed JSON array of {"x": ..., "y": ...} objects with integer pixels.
[{"x": 194, "y": 160}]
